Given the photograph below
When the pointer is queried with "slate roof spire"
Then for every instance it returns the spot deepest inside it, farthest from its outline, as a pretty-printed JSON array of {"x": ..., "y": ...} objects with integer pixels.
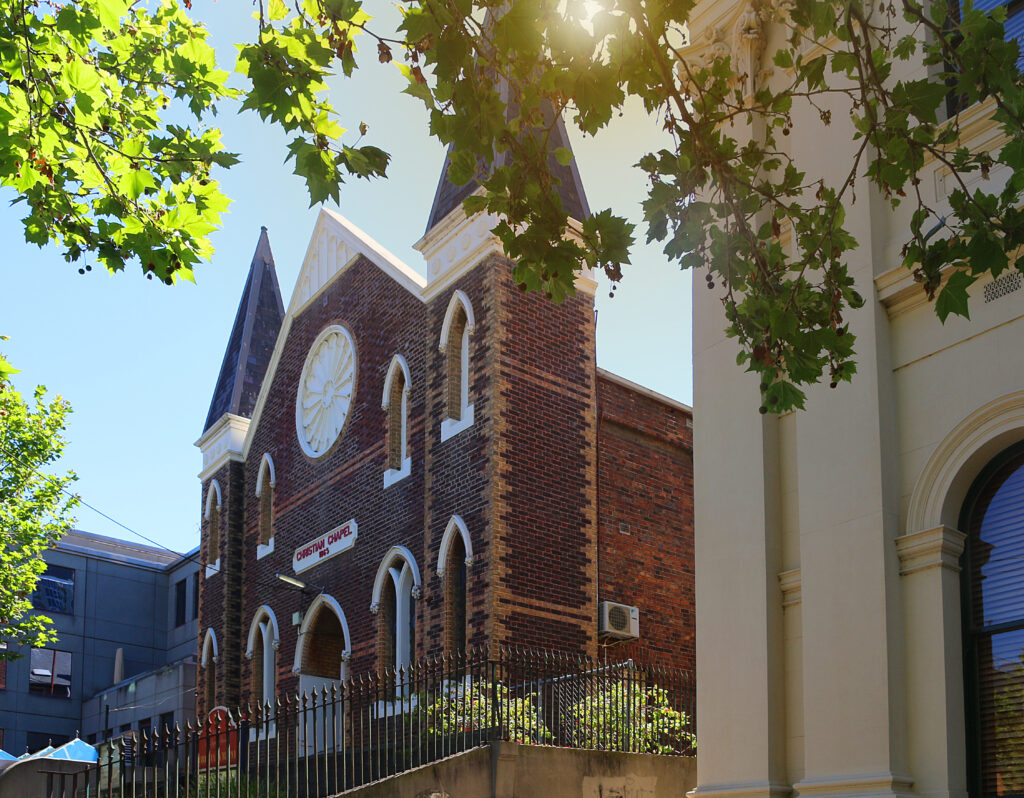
[
  {"x": 449, "y": 196},
  {"x": 253, "y": 336}
]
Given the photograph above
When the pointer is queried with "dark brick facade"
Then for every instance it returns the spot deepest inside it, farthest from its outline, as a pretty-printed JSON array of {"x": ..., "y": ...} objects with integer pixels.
[
  {"x": 645, "y": 517},
  {"x": 539, "y": 483}
]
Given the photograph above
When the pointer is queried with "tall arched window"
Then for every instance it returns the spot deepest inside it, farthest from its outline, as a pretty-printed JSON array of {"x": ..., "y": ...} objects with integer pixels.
[
  {"x": 265, "y": 492},
  {"x": 458, "y": 326},
  {"x": 209, "y": 663},
  {"x": 262, "y": 653},
  {"x": 212, "y": 517},
  {"x": 993, "y": 602},
  {"x": 453, "y": 559},
  {"x": 395, "y": 590},
  {"x": 396, "y": 403}
]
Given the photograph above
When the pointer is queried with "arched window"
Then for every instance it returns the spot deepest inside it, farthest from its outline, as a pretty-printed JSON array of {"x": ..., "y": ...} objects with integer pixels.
[
  {"x": 262, "y": 653},
  {"x": 265, "y": 493},
  {"x": 209, "y": 663},
  {"x": 212, "y": 516},
  {"x": 395, "y": 590},
  {"x": 458, "y": 326},
  {"x": 396, "y": 403},
  {"x": 453, "y": 559},
  {"x": 993, "y": 601}
]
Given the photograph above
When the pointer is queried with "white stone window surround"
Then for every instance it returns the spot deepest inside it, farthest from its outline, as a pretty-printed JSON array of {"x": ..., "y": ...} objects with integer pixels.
[
  {"x": 451, "y": 426},
  {"x": 209, "y": 648},
  {"x": 456, "y": 526},
  {"x": 211, "y": 492},
  {"x": 398, "y": 363},
  {"x": 264, "y": 624},
  {"x": 266, "y": 472},
  {"x": 405, "y": 577}
]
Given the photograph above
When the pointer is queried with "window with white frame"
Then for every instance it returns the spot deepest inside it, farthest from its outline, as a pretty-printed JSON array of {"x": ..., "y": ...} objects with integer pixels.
[
  {"x": 454, "y": 344},
  {"x": 212, "y": 517},
  {"x": 265, "y": 493},
  {"x": 394, "y": 594},
  {"x": 396, "y": 402},
  {"x": 262, "y": 653}
]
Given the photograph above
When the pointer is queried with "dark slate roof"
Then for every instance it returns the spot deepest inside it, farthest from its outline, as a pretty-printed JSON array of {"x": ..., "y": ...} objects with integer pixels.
[
  {"x": 251, "y": 344},
  {"x": 449, "y": 196}
]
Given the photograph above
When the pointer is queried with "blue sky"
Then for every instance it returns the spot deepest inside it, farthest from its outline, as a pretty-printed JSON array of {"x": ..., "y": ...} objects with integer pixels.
[{"x": 138, "y": 360}]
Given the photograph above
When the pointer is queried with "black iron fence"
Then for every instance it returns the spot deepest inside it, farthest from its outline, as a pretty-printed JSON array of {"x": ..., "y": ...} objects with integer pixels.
[{"x": 377, "y": 725}]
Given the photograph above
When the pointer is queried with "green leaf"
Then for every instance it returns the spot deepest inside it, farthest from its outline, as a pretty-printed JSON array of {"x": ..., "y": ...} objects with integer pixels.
[
  {"x": 953, "y": 296},
  {"x": 134, "y": 181},
  {"x": 563, "y": 155}
]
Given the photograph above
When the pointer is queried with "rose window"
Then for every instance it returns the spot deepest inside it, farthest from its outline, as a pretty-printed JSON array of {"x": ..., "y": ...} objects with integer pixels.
[{"x": 325, "y": 390}]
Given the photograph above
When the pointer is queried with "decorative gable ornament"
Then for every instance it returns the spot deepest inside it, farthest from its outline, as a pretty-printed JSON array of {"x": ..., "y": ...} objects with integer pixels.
[{"x": 325, "y": 392}]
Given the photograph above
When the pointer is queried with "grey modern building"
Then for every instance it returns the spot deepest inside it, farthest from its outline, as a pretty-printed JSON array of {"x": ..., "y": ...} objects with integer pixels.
[{"x": 125, "y": 617}]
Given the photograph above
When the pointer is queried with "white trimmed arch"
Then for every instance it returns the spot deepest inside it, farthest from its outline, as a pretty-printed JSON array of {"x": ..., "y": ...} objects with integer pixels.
[
  {"x": 397, "y": 364},
  {"x": 456, "y": 526},
  {"x": 211, "y": 492},
  {"x": 942, "y": 486},
  {"x": 323, "y": 601},
  {"x": 401, "y": 558},
  {"x": 458, "y": 298},
  {"x": 209, "y": 647},
  {"x": 263, "y": 615},
  {"x": 266, "y": 468}
]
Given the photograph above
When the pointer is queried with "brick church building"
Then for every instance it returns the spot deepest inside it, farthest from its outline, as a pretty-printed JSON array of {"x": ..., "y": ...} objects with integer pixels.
[{"x": 397, "y": 466}]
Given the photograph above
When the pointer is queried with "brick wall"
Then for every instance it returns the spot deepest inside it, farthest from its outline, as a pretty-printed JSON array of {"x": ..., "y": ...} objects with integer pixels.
[
  {"x": 645, "y": 518},
  {"x": 543, "y": 523}
]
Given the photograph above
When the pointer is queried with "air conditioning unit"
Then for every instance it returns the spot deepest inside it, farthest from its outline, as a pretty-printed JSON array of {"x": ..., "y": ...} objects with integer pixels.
[{"x": 618, "y": 620}]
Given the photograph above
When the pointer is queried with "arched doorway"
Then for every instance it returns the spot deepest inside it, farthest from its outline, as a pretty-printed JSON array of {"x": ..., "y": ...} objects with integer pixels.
[{"x": 321, "y": 660}]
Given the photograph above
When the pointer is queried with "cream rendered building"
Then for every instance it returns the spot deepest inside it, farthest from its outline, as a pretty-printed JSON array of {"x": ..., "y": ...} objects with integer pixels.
[{"x": 828, "y": 541}]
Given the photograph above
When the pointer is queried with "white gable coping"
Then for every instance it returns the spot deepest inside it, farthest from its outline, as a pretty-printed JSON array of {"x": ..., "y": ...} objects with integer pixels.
[{"x": 333, "y": 247}]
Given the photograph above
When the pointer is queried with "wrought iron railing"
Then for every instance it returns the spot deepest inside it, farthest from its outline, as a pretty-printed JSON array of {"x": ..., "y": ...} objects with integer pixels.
[{"x": 377, "y": 725}]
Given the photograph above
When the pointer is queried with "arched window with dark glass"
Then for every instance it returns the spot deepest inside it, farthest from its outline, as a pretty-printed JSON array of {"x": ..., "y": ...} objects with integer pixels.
[
  {"x": 455, "y": 598},
  {"x": 993, "y": 615}
]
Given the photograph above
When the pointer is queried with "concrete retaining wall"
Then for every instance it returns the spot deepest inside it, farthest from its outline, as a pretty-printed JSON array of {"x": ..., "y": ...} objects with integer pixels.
[{"x": 509, "y": 770}]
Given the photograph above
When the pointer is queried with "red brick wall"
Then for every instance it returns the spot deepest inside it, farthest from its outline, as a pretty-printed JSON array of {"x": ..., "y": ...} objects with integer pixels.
[
  {"x": 645, "y": 518},
  {"x": 545, "y": 502}
]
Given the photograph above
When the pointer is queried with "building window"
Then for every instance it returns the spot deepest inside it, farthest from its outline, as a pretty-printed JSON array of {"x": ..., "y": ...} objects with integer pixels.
[
  {"x": 50, "y": 672},
  {"x": 55, "y": 590},
  {"x": 3, "y": 677},
  {"x": 396, "y": 403},
  {"x": 453, "y": 558},
  {"x": 455, "y": 596},
  {"x": 262, "y": 653},
  {"x": 265, "y": 493},
  {"x": 195, "y": 596},
  {"x": 212, "y": 515},
  {"x": 394, "y": 592},
  {"x": 180, "y": 603},
  {"x": 454, "y": 344},
  {"x": 209, "y": 663},
  {"x": 993, "y": 601}
]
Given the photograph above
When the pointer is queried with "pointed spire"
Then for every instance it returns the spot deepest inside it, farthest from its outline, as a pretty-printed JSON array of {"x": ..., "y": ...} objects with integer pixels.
[
  {"x": 449, "y": 196},
  {"x": 251, "y": 344}
]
